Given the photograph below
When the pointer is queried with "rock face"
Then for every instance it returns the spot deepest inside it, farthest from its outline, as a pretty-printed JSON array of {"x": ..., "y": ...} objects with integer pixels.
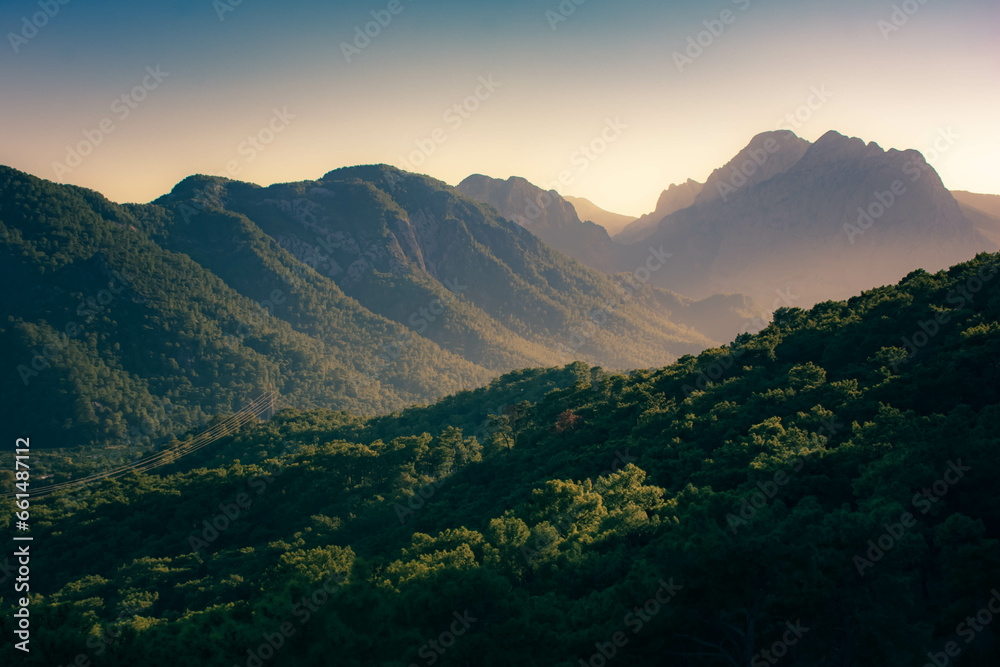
[
  {"x": 588, "y": 210},
  {"x": 674, "y": 198},
  {"x": 816, "y": 222},
  {"x": 548, "y": 216}
]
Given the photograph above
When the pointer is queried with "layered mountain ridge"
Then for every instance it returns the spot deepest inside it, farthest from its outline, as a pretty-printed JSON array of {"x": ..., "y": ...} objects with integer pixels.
[
  {"x": 842, "y": 216},
  {"x": 785, "y": 216},
  {"x": 613, "y": 223},
  {"x": 369, "y": 289},
  {"x": 547, "y": 215},
  {"x": 674, "y": 198}
]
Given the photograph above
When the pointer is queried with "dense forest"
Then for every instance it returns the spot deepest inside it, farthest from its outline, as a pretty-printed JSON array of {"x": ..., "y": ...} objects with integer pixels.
[
  {"x": 819, "y": 493},
  {"x": 128, "y": 325}
]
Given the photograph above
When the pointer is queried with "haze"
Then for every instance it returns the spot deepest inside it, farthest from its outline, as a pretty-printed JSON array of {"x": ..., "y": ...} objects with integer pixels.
[{"x": 231, "y": 71}]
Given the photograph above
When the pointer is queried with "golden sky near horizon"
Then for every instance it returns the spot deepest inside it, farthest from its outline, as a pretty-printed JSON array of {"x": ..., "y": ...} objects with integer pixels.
[{"x": 442, "y": 90}]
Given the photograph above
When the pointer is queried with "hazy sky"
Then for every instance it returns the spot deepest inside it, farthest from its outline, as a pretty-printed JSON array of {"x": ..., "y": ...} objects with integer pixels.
[{"x": 605, "y": 77}]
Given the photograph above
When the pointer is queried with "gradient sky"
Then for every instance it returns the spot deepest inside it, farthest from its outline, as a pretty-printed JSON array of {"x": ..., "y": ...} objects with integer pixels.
[{"x": 558, "y": 88}]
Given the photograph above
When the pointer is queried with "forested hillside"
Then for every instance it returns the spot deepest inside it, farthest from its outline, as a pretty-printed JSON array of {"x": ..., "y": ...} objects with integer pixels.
[
  {"x": 821, "y": 493},
  {"x": 369, "y": 290},
  {"x": 109, "y": 339},
  {"x": 398, "y": 242}
]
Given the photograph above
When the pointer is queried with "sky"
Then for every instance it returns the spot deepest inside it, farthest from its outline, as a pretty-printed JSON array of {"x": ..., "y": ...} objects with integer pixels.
[{"x": 608, "y": 100}]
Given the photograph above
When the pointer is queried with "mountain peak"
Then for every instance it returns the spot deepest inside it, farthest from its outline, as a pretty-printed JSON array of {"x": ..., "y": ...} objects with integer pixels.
[
  {"x": 780, "y": 136},
  {"x": 827, "y": 218},
  {"x": 520, "y": 181},
  {"x": 201, "y": 187},
  {"x": 364, "y": 170},
  {"x": 674, "y": 198},
  {"x": 835, "y": 146},
  {"x": 767, "y": 155},
  {"x": 383, "y": 176},
  {"x": 673, "y": 187},
  {"x": 548, "y": 215}
]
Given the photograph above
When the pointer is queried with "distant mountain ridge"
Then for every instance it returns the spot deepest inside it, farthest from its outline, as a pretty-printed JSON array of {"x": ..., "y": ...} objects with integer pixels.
[
  {"x": 613, "y": 223},
  {"x": 784, "y": 216},
  {"x": 983, "y": 211},
  {"x": 827, "y": 221},
  {"x": 547, "y": 215},
  {"x": 369, "y": 289},
  {"x": 768, "y": 154},
  {"x": 674, "y": 198},
  {"x": 989, "y": 204}
]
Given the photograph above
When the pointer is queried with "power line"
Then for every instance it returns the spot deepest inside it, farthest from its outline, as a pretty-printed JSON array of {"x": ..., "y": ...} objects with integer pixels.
[
  {"x": 210, "y": 435},
  {"x": 255, "y": 409}
]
